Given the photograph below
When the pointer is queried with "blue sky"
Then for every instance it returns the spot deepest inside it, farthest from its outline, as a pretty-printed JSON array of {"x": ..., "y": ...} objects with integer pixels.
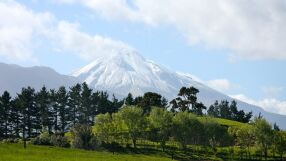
[{"x": 225, "y": 44}]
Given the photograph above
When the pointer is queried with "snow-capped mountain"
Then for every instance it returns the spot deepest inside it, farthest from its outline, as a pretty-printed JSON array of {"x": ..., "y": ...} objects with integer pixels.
[
  {"x": 13, "y": 78},
  {"x": 127, "y": 71}
]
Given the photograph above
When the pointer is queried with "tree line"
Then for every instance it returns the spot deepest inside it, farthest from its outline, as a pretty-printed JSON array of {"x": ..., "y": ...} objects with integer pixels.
[
  {"x": 54, "y": 110},
  {"x": 58, "y": 110},
  {"x": 184, "y": 120},
  {"x": 130, "y": 124}
]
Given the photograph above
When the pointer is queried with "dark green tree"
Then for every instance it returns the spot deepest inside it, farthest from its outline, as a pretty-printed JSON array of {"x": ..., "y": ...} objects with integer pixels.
[
  {"x": 5, "y": 110},
  {"x": 214, "y": 110},
  {"x": 187, "y": 101},
  {"x": 129, "y": 100},
  {"x": 28, "y": 106},
  {"x": 86, "y": 116},
  {"x": 74, "y": 102},
  {"x": 54, "y": 109},
  {"x": 43, "y": 104},
  {"x": 151, "y": 99},
  {"x": 115, "y": 105},
  {"x": 63, "y": 109},
  {"x": 15, "y": 117}
]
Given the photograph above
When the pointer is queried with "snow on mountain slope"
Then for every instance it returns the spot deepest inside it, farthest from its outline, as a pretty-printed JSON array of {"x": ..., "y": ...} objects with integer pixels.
[
  {"x": 13, "y": 78},
  {"x": 127, "y": 71}
]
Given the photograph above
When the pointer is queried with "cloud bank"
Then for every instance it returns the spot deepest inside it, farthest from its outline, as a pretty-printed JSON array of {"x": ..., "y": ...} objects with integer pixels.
[
  {"x": 22, "y": 31},
  {"x": 252, "y": 29}
]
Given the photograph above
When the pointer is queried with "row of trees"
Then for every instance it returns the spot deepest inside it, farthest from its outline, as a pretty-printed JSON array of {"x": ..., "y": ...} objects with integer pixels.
[
  {"x": 130, "y": 124},
  {"x": 160, "y": 125},
  {"x": 228, "y": 111},
  {"x": 53, "y": 110},
  {"x": 58, "y": 110}
]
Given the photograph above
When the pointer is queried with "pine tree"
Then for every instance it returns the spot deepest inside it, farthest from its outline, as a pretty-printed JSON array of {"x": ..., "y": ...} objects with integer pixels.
[
  {"x": 27, "y": 108},
  {"x": 74, "y": 102},
  {"x": 234, "y": 111},
  {"x": 43, "y": 103},
  {"x": 63, "y": 109},
  {"x": 224, "y": 110},
  {"x": 103, "y": 103},
  {"x": 214, "y": 110},
  {"x": 54, "y": 109},
  {"x": 15, "y": 117},
  {"x": 5, "y": 108},
  {"x": 115, "y": 104},
  {"x": 86, "y": 116},
  {"x": 129, "y": 101}
]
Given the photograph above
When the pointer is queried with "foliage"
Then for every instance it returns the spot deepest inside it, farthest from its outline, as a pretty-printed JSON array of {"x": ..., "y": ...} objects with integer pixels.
[
  {"x": 103, "y": 127},
  {"x": 187, "y": 128},
  {"x": 82, "y": 137},
  {"x": 148, "y": 100},
  {"x": 263, "y": 134},
  {"x": 43, "y": 139},
  {"x": 161, "y": 123},
  {"x": 228, "y": 111},
  {"x": 60, "y": 141},
  {"x": 187, "y": 101},
  {"x": 134, "y": 122}
]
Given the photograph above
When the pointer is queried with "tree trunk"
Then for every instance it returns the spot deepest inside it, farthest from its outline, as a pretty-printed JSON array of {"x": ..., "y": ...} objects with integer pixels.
[
  {"x": 23, "y": 138},
  {"x": 265, "y": 153},
  {"x": 134, "y": 143},
  {"x": 6, "y": 129}
]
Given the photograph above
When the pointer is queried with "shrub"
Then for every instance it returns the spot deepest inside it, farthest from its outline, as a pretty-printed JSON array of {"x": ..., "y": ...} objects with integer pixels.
[
  {"x": 43, "y": 139},
  {"x": 82, "y": 137},
  {"x": 60, "y": 141},
  {"x": 12, "y": 140}
]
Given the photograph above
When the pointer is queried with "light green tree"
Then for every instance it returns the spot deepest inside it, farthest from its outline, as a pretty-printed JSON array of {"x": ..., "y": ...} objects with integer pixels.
[
  {"x": 103, "y": 127},
  {"x": 187, "y": 128},
  {"x": 279, "y": 143},
  {"x": 245, "y": 138},
  {"x": 263, "y": 134},
  {"x": 161, "y": 122},
  {"x": 134, "y": 121}
]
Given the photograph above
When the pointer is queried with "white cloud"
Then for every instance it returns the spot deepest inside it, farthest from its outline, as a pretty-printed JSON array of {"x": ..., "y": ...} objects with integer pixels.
[
  {"x": 221, "y": 85},
  {"x": 249, "y": 29},
  {"x": 18, "y": 28},
  {"x": 268, "y": 104},
  {"x": 22, "y": 31},
  {"x": 88, "y": 47}
]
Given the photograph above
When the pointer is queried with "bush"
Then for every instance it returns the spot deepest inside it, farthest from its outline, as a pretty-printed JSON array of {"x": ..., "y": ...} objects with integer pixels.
[
  {"x": 82, "y": 137},
  {"x": 43, "y": 139},
  {"x": 60, "y": 141},
  {"x": 12, "y": 140}
]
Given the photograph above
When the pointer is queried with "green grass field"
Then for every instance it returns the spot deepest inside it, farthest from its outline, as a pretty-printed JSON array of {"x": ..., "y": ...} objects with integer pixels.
[{"x": 16, "y": 152}]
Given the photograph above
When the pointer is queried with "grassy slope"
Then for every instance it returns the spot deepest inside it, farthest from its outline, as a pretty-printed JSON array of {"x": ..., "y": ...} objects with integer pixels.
[
  {"x": 15, "y": 152},
  {"x": 225, "y": 122}
]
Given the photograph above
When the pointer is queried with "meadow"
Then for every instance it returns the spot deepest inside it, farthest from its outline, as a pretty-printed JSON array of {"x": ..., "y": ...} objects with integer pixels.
[{"x": 16, "y": 152}]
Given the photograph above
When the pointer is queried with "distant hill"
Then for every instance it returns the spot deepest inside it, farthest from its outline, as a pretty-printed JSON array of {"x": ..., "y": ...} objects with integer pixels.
[{"x": 13, "y": 78}]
